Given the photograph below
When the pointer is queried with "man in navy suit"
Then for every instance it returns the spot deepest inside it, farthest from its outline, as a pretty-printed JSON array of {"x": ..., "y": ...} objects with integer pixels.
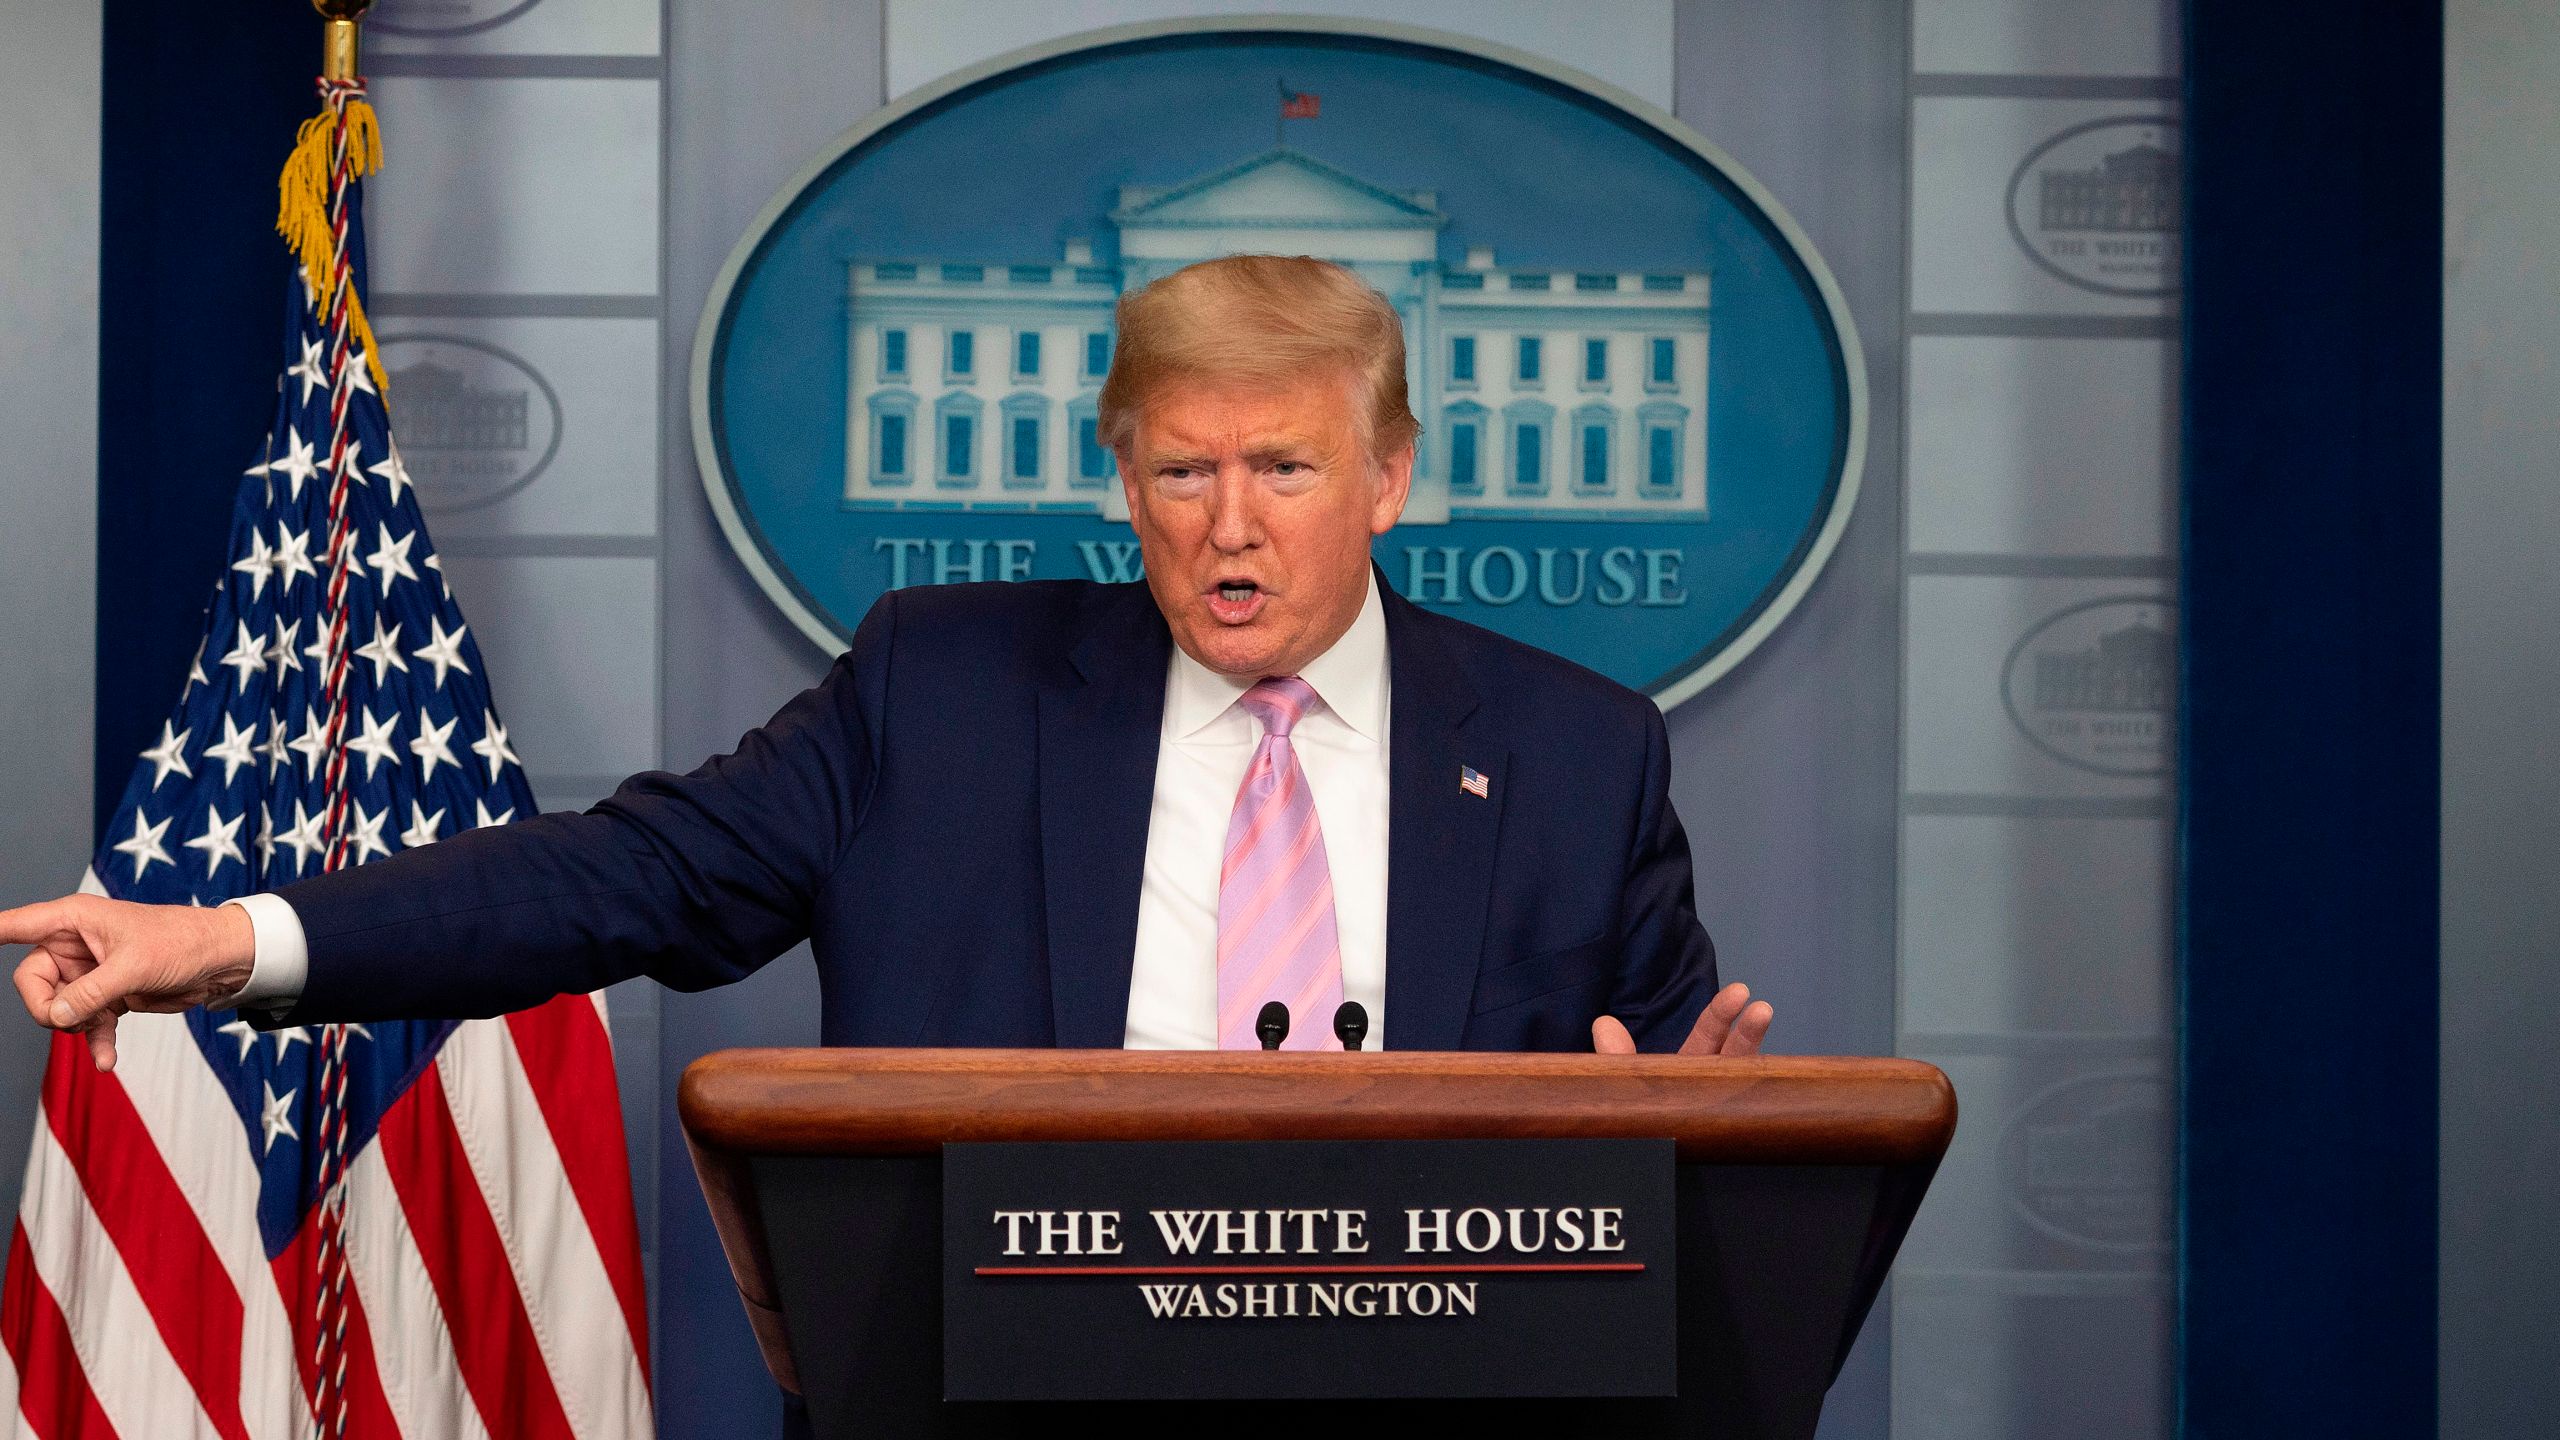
[{"x": 1060, "y": 813}]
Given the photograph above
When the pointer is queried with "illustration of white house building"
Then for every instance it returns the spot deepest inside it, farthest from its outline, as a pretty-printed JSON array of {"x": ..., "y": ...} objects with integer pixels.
[{"x": 1543, "y": 394}]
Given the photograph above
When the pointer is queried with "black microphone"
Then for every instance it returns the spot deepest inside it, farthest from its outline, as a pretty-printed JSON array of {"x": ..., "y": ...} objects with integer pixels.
[
  {"x": 1272, "y": 1024},
  {"x": 1351, "y": 1024}
]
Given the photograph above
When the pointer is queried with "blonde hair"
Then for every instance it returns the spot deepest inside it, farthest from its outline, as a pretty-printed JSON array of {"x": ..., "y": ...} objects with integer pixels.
[{"x": 1259, "y": 320}]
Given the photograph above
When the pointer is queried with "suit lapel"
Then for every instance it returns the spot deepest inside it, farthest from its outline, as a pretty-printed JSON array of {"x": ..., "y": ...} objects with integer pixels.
[
  {"x": 1100, "y": 720},
  {"x": 1440, "y": 838}
]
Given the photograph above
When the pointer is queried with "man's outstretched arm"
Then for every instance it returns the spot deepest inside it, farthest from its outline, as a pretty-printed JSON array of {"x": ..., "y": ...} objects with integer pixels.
[{"x": 695, "y": 880}]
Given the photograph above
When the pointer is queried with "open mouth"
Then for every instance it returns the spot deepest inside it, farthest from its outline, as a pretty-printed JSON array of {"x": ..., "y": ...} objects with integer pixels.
[{"x": 1236, "y": 602}]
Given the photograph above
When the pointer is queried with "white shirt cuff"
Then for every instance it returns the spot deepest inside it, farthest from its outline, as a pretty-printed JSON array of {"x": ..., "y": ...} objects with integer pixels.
[{"x": 283, "y": 956}]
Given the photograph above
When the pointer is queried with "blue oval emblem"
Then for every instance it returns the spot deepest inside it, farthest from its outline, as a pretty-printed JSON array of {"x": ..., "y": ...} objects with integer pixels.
[{"x": 1643, "y": 409}]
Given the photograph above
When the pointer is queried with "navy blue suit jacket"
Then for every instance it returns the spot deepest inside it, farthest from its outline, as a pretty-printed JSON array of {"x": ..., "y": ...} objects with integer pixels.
[{"x": 956, "y": 818}]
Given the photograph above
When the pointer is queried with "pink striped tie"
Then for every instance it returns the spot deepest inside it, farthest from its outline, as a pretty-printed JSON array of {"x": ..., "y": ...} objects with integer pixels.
[{"x": 1276, "y": 938}]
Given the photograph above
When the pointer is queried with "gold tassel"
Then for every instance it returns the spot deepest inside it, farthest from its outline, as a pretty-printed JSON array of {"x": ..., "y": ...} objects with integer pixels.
[{"x": 302, "y": 212}]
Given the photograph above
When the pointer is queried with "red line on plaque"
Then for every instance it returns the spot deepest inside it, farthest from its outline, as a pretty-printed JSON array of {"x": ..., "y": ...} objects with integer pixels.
[{"x": 1590, "y": 1268}]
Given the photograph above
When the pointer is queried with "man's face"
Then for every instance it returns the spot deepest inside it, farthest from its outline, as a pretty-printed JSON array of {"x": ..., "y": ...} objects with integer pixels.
[{"x": 1254, "y": 509}]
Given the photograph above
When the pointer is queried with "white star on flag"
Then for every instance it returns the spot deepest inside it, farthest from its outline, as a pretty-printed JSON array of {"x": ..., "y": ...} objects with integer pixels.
[
  {"x": 220, "y": 840},
  {"x": 391, "y": 557},
  {"x": 297, "y": 463},
  {"x": 321, "y": 649},
  {"x": 492, "y": 746},
  {"x": 312, "y": 369},
  {"x": 312, "y": 744},
  {"x": 443, "y": 651},
  {"x": 423, "y": 827},
  {"x": 395, "y": 476},
  {"x": 303, "y": 839},
  {"x": 274, "y": 749},
  {"x": 366, "y": 832},
  {"x": 275, "y": 1115},
  {"x": 280, "y": 655},
  {"x": 431, "y": 748},
  {"x": 144, "y": 844},
  {"x": 170, "y": 754},
  {"x": 258, "y": 564},
  {"x": 244, "y": 1032},
  {"x": 236, "y": 749},
  {"x": 293, "y": 555},
  {"x": 383, "y": 650},
  {"x": 375, "y": 744},
  {"x": 248, "y": 656}
]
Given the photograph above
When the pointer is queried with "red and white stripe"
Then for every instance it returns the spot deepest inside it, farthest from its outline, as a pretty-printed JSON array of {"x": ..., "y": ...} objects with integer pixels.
[{"x": 495, "y": 1269}]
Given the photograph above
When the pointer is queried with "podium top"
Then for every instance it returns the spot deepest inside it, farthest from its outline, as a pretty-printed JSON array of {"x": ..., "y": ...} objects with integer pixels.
[
  {"x": 1765, "y": 1110},
  {"x": 1768, "y": 1110}
]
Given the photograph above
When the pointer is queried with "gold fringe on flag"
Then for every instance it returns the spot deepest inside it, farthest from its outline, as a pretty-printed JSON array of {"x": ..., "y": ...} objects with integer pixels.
[{"x": 302, "y": 212}]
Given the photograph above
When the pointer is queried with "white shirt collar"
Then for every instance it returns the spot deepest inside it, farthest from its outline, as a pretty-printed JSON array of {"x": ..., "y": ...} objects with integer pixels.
[{"x": 1350, "y": 678}]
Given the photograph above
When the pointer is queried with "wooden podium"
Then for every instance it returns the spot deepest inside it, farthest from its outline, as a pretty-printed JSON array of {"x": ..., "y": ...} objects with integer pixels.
[{"x": 1796, "y": 1181}]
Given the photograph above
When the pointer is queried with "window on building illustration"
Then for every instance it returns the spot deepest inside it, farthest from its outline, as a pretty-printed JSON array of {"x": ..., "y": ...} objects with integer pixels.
[
  {"x": 1092, "y": 461},
  {"x": 1528, "y": 468},
  {"x": 1662, "y": 458},
  {"x": 1663, "y": 370},
  {"x": 1595, "y": 457},
  {"x": 1462, "y": 358},
  {"x": 1529, "y": 345},
  {"x": 1026, "y": 353},
  {"x": 893, "y": 446},
  {"x": 1026, "y": 447},
  {"x": 964, "y": 352},
  {"x": 1595, "y": 362},
  {"x": 1097, "y": 352},
  {"x": 1463, "y": 477},
  {"x": 958, "y": 431},
  {"x": 893, "y": 352}
]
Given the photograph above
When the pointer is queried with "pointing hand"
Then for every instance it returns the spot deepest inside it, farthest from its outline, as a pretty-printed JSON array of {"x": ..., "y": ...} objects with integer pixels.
[{"x": 95, "y": 959}]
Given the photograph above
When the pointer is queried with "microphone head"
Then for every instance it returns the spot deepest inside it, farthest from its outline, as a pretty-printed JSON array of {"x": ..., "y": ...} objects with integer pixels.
[
  {"x": 1272, "y": 1025},
  {"x": 1351, "y": 1024}
]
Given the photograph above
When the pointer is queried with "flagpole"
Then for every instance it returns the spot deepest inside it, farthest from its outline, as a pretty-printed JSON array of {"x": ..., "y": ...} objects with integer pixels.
[
  {"x": 338, "y": 36},
  {"x": 342, "y": 89}
]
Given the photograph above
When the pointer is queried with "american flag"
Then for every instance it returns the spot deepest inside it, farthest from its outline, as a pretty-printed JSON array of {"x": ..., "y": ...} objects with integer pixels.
[
  {"x": 418, "y": 1229},
  {"x": 1299, "y": 104},
  {"x": 1473, "y": 782}
]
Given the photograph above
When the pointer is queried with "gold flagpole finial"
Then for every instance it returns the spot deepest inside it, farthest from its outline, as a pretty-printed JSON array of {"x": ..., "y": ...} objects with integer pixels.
[{"x": 338, "y": 43}]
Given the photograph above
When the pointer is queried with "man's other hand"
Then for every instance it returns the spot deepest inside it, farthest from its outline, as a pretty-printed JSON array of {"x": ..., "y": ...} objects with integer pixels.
[
  {"x": 1732, "y": 1024},
  {"x": 95, "y": 959}
]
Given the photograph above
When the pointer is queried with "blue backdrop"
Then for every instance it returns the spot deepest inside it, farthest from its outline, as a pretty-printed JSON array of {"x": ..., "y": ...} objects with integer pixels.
[{"x": 2312, "y": 553}]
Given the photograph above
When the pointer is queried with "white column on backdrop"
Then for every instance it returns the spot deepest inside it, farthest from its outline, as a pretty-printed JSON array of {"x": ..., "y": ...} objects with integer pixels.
[
  {"x": 49, "y": 95},
  {"x": 2499, "y": 1285}
]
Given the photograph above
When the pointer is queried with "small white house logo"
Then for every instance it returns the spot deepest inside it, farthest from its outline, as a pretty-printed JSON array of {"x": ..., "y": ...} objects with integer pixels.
[
  {"x": 476, "y": 422},
  {"x": 2094, "y": 686},
  {"x": 444, "y": 17},
  {"x": 2098, "y": 205},
  {"x": 2081, "y": 1162}
]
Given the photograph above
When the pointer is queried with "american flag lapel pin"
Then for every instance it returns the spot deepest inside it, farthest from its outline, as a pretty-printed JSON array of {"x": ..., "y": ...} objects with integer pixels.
[{"x": 1473, "y": 782}]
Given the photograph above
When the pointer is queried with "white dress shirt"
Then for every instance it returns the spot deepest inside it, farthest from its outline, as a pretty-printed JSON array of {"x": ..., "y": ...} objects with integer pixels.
[{"x": 1206, "y": 742}]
